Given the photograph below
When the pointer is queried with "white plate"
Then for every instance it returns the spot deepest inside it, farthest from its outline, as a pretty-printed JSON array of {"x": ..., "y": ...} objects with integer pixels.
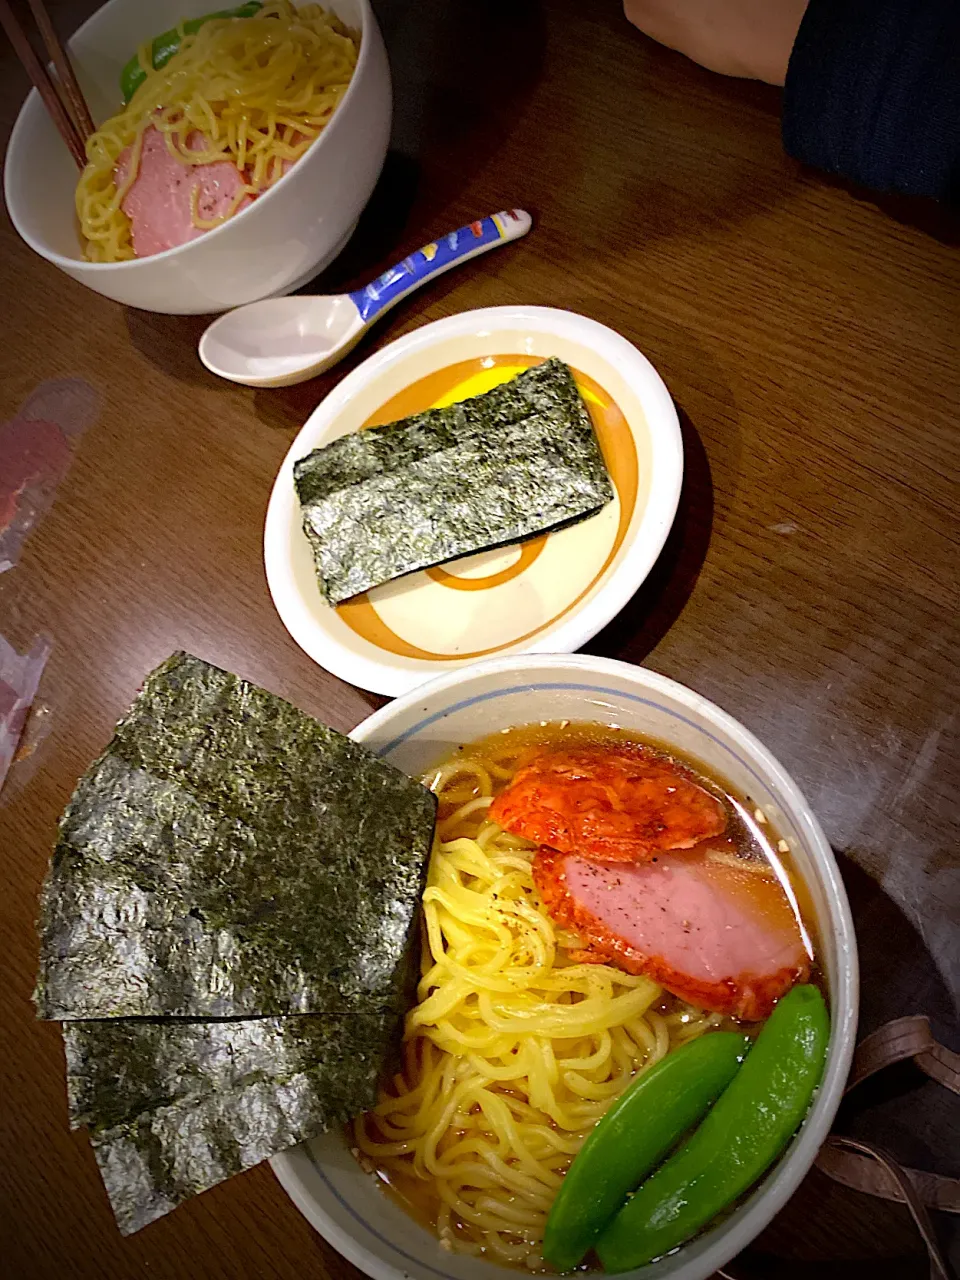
[
  {"x": 414, "y": 733},
  {"x": 549, "y": 595}
]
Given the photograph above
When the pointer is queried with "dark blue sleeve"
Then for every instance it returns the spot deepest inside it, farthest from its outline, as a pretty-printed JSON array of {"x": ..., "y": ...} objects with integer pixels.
[{"x": 873, "y": 94}]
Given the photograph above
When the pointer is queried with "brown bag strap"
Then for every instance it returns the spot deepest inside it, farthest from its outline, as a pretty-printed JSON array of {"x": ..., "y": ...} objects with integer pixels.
[
  {"x": 862, "y": 1174},
  {"x": 868, "y": 1168},
  {"x": 901, "y": 1039},
  {"x": 838, "y": 1150},
  {"x": 896, "y": 1042}
]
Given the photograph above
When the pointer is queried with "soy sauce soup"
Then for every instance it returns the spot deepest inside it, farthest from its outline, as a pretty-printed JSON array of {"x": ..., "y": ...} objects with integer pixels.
[{"x": 503, "y": 1219}]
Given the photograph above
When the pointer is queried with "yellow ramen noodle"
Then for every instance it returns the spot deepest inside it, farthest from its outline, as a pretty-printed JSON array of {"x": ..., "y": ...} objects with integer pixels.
[
  {"x": 259, "y": 89},
  {"x": 513, "y": 1052}
]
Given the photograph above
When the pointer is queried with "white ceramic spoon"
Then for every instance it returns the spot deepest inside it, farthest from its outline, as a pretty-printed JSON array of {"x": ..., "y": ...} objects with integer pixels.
[{"x": 280, "y": 341}]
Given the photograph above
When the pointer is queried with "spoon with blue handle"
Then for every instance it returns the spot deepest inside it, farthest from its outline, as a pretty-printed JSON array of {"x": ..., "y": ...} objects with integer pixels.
[{"x": 280, "y": 341}]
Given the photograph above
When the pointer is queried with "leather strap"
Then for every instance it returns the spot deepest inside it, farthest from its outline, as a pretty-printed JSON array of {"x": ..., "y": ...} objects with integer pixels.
[
  {"x": 868, "y": 1168},
  {"x": 901, "y": 1039},
  {"x": 862, "y": 1173},
  {"x": 896, "y": 1042},
  {"x": 942, "y": 1065},
  {"x": 896, "y": 1177}
]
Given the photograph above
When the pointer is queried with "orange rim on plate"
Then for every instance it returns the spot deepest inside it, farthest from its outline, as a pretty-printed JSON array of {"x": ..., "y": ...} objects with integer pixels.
[{"x": 619, "y": 453}]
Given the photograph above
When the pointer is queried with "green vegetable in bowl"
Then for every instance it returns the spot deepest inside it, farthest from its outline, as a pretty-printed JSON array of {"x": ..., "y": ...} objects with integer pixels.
[
  {"x": 749, "y": 1126},
  {"x": 633, "y": 1137},
  {"x": 165, "y": 46}
]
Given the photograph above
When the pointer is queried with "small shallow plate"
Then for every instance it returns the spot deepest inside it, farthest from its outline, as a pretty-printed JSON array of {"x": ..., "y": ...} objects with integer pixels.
[{"x": 548, "y": 595}]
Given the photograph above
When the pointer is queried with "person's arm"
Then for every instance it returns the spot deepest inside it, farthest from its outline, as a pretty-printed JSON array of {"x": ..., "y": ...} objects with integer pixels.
[
  {"x": 751, "y": 39},
  {"x": 872, "y": 87}
]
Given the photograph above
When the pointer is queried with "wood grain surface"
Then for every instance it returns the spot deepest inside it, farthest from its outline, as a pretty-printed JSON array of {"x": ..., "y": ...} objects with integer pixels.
[{"x": 808, "y": 333}]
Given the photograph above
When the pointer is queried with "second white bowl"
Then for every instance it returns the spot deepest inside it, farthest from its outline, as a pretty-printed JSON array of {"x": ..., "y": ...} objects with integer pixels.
[{"x": 281, "y": 241}]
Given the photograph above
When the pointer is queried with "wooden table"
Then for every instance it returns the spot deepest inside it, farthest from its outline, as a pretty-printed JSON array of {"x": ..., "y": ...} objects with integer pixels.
[{"x": 809, "y": 337}]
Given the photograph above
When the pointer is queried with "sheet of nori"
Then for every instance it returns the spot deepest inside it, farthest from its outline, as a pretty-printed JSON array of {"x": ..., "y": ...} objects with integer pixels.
[
  {"x": 228, "y": 856},
  {"x": 118, "y": 1068},
  {"x": 517, "y": 461},
  {"x": 176, "y": 1107}
]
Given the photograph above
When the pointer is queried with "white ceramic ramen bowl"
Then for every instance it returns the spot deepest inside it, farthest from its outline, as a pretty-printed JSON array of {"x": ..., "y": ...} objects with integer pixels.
[
  {"x": 322, "y": 1178},
  {"x": 548, "y": 596},
  {"x": 278, "y": 243}
]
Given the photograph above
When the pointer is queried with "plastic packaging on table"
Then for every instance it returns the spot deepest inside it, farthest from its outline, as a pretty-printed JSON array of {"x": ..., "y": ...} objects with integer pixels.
[
  {"x": 36, "y": 449},
  {"x": 19, "y": 677}
]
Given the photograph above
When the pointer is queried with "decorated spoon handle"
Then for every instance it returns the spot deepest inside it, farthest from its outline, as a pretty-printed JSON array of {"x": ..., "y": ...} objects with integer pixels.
[{"x": 440, "y": 256}]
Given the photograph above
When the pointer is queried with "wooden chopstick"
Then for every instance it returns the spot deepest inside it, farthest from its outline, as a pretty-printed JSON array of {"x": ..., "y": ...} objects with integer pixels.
[
  {"x": 58, "y": 56},
  {"x": 45, "y": 86}
]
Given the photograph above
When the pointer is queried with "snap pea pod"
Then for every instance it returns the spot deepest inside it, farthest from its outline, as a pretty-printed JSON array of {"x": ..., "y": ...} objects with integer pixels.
[
  {"x": 748, "y": 1127},
  {"x": 633, "y": 1137},
  {"x": 165, "y": 46}
]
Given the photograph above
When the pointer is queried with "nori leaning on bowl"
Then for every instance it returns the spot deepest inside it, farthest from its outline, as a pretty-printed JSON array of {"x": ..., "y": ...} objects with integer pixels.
[{"x": 227, "y": 933}]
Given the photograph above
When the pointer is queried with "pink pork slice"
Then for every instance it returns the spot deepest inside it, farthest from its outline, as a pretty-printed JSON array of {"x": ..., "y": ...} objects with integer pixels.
[
  {"x": 158, "y": 202},
  {"x": 721, "y": 937}
]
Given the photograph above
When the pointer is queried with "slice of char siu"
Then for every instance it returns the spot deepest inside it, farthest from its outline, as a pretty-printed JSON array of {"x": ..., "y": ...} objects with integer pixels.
[
  {"x": 721, "y": 936},
  {"x": 160, "y": 201},
  {"x": 621, "y": 805}
]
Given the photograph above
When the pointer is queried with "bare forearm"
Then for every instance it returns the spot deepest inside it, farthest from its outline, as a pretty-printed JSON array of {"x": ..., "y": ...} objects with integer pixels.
[{"x": 747, "y": 38}]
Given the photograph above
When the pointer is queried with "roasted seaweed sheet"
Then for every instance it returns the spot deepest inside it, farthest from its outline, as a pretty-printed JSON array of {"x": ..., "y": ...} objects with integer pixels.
[
  {"x": 228, "y": 856},
  {"x": 176, "y": 1107},
  {"x": 119, "y": 1068},
  {"x": 515, "y": 462}
]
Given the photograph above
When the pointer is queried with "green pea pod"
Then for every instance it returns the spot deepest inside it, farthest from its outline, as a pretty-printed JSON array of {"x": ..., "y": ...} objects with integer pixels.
[
  {"x": 165, "y": 46},
  {"x": 748, "y": 1127},
  {"x": 633, "y": 1137}
]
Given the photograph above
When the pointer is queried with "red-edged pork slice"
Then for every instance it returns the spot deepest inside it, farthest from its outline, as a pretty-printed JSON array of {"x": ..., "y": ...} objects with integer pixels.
[
  {"x": 719, "y": 936},
  {"x": 620, "y": 804},
  {"x": 158, "y": 201}
]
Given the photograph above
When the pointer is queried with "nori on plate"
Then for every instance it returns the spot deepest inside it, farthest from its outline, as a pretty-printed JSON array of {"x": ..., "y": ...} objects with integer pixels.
[
  {"x": 517, "y": 461},
  {"x": 175, "y": 1107},
  {"x": 228, "y": 856}
]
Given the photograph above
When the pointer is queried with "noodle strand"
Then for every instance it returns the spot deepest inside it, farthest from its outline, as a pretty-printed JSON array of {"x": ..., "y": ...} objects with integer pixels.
[
  {"x": 255, "y": 92},
  {"x": 513, "y": 1052}
]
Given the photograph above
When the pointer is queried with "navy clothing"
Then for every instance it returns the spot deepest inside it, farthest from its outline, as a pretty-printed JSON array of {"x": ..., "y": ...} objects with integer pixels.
[{"x": 873, "y": 93}]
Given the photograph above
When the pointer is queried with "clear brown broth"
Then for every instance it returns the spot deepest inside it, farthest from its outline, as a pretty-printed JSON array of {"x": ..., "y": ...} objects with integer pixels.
[{"x": 746, "y": 839}]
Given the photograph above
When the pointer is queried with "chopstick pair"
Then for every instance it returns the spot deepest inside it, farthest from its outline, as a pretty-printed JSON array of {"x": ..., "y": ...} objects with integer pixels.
[{"x": 61, "y": 93}]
